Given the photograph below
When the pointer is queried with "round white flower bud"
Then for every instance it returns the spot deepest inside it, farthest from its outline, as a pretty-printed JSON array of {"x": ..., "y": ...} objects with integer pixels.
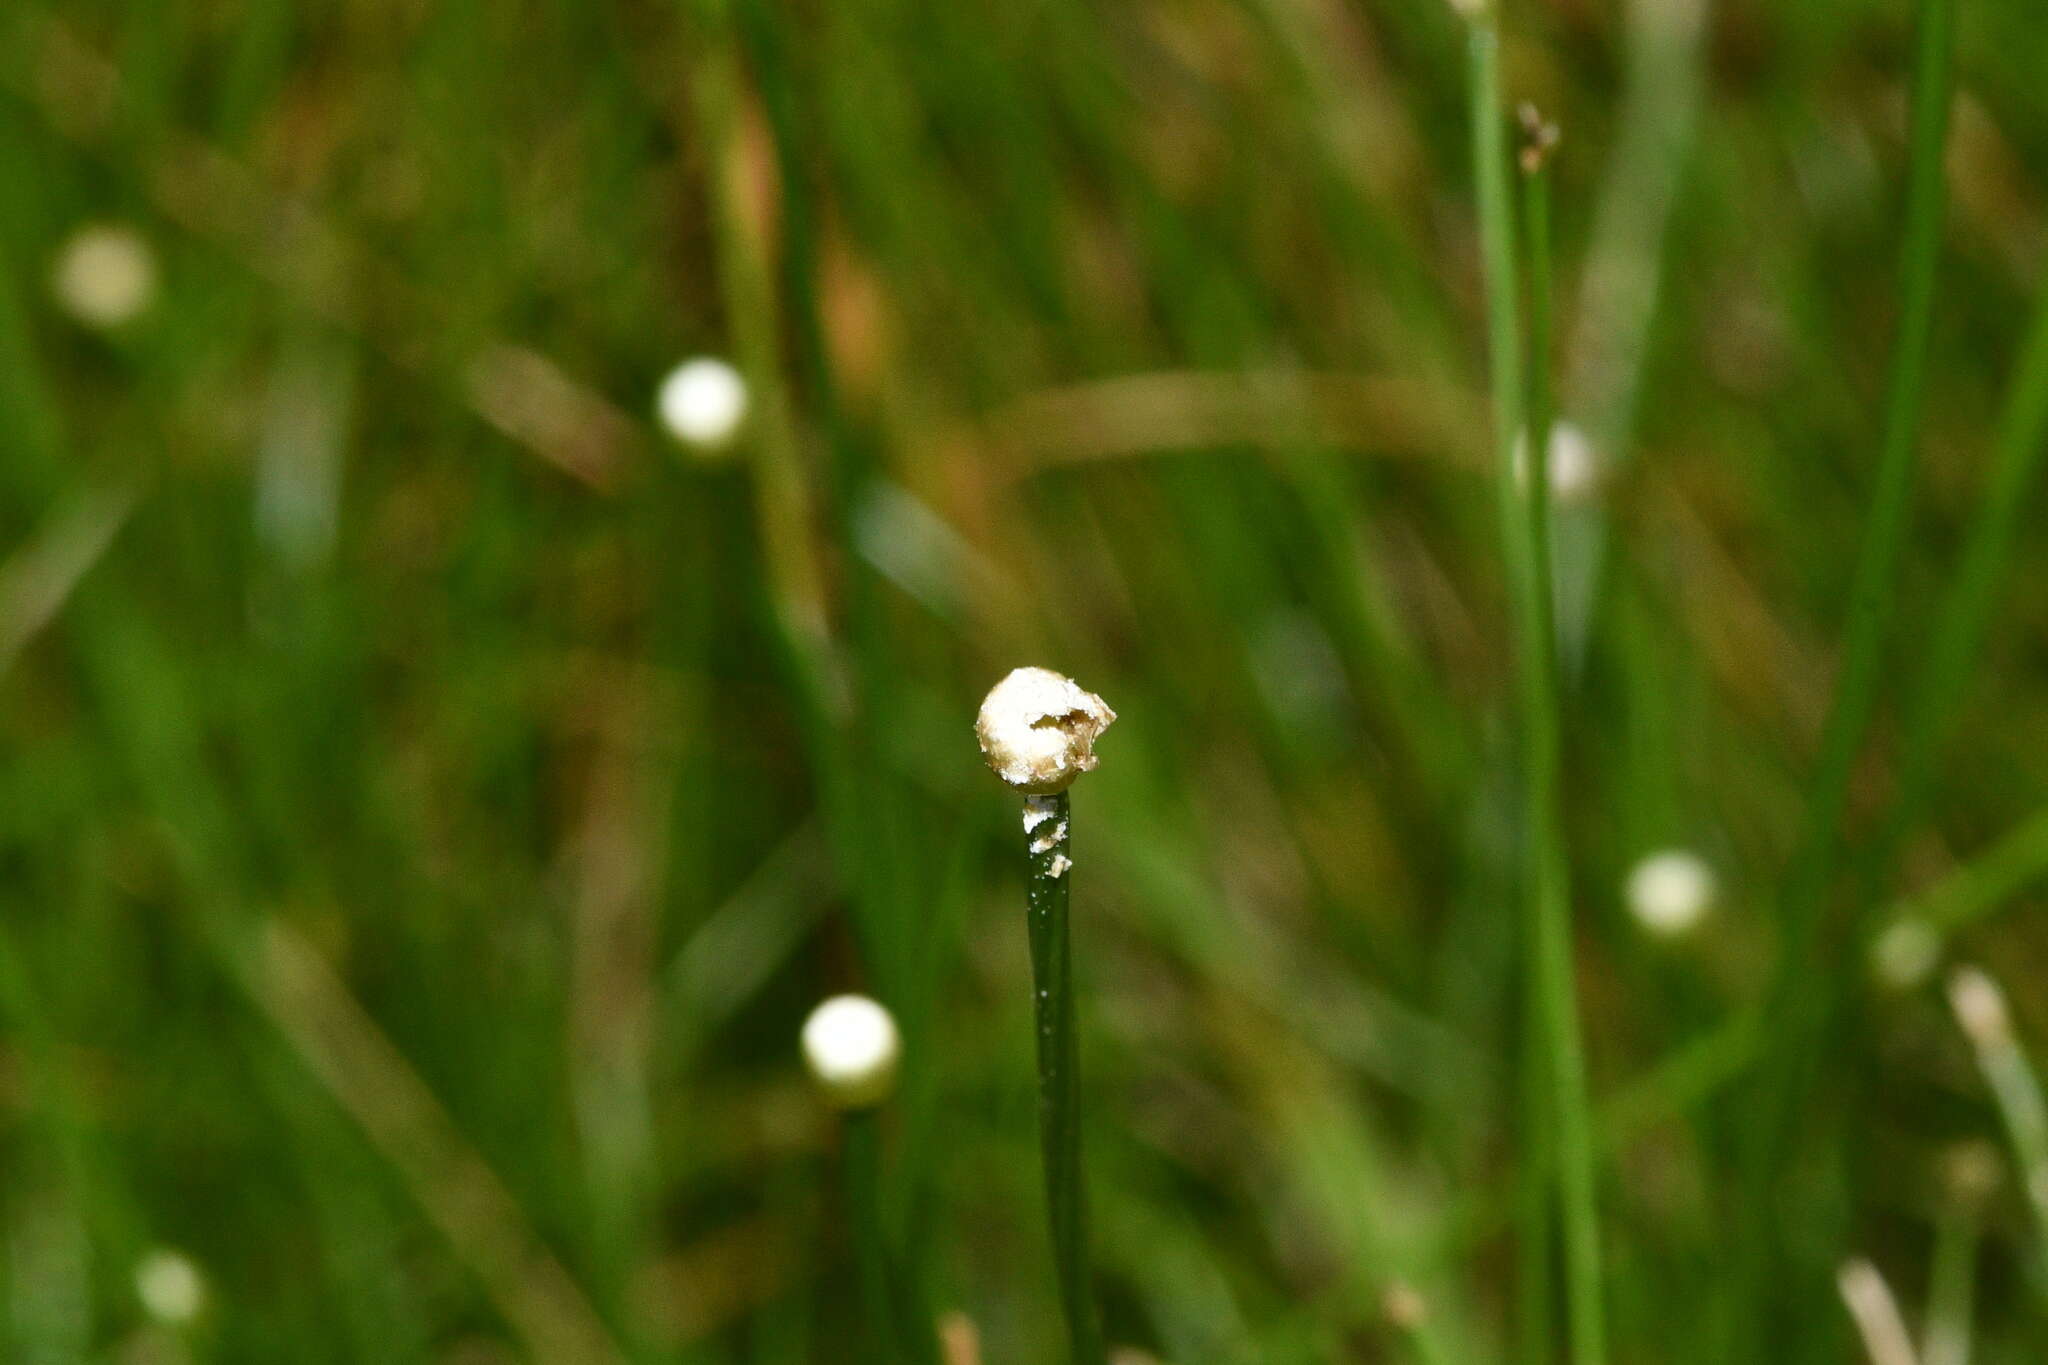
[
  {"x": 105, "y": 276},
  {"x": 1970, "y": 1170},
  {"x": 1038, "y": 729},
  {"x": 170, "y": 1287},
  {"x": 1980, "y": 1007},
  {"x": 1573, "y": 466},
  {"x": 1906, "y": 953},
  {"x": 702, "y": 403},
  {"x": 851, "y": 1047},
  {"x": 1670, "y": 892}
]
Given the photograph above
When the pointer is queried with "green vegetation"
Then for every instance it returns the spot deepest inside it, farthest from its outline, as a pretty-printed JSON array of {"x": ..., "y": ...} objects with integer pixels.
[{"x": 435, "y": 795}]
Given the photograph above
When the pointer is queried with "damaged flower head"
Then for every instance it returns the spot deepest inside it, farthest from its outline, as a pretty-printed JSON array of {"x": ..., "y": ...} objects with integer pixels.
[{"x": 1038, "y": 729}]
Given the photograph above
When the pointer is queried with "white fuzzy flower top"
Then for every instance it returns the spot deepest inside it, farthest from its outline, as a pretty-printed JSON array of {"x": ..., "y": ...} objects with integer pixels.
[
  {"x": 1038, "y": 729},
  {"x": 851, "y": 1047}
]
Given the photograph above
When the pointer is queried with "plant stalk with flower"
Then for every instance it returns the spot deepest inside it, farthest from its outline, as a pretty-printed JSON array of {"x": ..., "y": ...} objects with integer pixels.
[{"x": 1038, "y": 731}]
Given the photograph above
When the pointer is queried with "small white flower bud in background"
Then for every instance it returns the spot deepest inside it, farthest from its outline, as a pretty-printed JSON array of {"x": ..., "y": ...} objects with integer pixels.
[
  {"x": 1980, "y": 1007},
  {"x": 105, "y": 275},
  {"x": 1404, "y": 1305},
  {"x": 1038, "y": 730},
  {"x": 702, "y": 403},
  {"x": 1670, "y": 892},
  {"x": 1906, "y": 953},
  {"x": 1970, "y": 1170},
  {"x": 852, "y": 1048},
  {"x": 170, "y": 1287},
  {"x": 959, "y": 1339},
  {"x": 1574, "y": 466}
]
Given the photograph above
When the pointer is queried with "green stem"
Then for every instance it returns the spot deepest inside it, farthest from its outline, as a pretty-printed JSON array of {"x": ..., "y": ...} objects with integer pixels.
[
  {"x": 1800, "y": 998},
  {"x": 1059, "y": 1100},
  {"x": 1987, "y": 882},
  {"x": 873, "y": 1262},
  {"x": 1537, "y": 1197},
  {"x": 1872, "y": 593},
  {"x": 1525, "y": 538},
  {"x": 785, "y": 512},
  {"x": 1952, "y": 1284},
  {"x": 1965, "y": 613}
]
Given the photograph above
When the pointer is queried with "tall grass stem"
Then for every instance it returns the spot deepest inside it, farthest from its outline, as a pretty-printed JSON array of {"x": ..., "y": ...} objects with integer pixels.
[
  {"x": 1952, "y": 1282},
  {"x": 1524, "y": 509},
  {"x": 890, "y": 1338},
  {"x": 1964, "y": 616},
  {"x": 1803, "y": 990},
  {"x": 1047, "y": 834}
]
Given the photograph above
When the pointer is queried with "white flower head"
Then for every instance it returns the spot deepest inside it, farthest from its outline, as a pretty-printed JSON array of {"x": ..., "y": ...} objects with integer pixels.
[
  {"x": 105, "y": 275},
  {"x": 702, "y": 403},
  {"x": 1970, "y": 1170},
  {"x": 1980, "y": 1007},
  {"x": 851, "y": 1047},
  {"x": 1573, "y": 466},
  {"x": 171, "y": 1288},
  {"x": 1906, "y": 953},
  {"x": 1038, "y": 730},
  {"x": 1670, "y": 892},
  {"x": 1404, "y": 1305}
]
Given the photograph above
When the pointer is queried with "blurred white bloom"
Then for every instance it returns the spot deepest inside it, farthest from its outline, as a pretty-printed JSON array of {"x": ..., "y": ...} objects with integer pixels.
[
  {"x": 170, "y": 1286},
  {"x": 1574, "y": 466},
  {"x": 1980, "y": 1007},
  {"x": 702, "y": 403},
  {"x": 105, "y": 276},
  {"x": 851, "y": 1047},
  {"x": 1970, "y": 1170},
  {"x": 1906, "y": 953},
  {"x": 1404, "y": 1305},
  {"x": 1038, "y": 729},
  {"x": 1671, "y": 892}
]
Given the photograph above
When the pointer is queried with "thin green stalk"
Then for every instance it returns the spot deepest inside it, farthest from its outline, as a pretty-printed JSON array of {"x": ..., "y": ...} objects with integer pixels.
[
  {"x": 1965, "y": 614},
  {"x": 1410, "y": 1314},
  {"x": 1952, "y": 1282},
  {"x": 1673, "y": 1088},
  {"x": 1801, "y": 997},
  {"x": 1525, "y": 539},
  {"x": 1990, "y": 879},
  {"x": 886, "y": 1336},
  {"x": 1912, "y": 942},
  {"x": 1536, "y": 1197},
  {"x": 1059, "y": 1098},
  {"x": 785, "y": 511},
  {"x": 1872, "y": 593}
]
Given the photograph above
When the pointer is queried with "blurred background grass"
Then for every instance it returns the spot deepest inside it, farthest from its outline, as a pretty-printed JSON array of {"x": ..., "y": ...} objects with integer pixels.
[{"x": 433, "y": 798}]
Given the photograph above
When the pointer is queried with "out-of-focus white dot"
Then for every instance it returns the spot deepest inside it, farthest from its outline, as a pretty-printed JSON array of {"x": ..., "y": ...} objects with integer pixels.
[
  {"x": 1574, "y": 466},
  {"x": 1980, "y": 1008},
  {"x": 1906, "y": 953},
  {"x": 105, "y": 276},
  {"x": 702, "y": 403},
  {"x": 1670, "y": 892},
  {"x": 851, "y": 1047},
  {"x": 170, "y": 1286}
]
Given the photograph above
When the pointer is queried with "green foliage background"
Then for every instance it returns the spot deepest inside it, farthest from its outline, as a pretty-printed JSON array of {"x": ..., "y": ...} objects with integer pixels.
[{"x": 432, "y": 799}]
